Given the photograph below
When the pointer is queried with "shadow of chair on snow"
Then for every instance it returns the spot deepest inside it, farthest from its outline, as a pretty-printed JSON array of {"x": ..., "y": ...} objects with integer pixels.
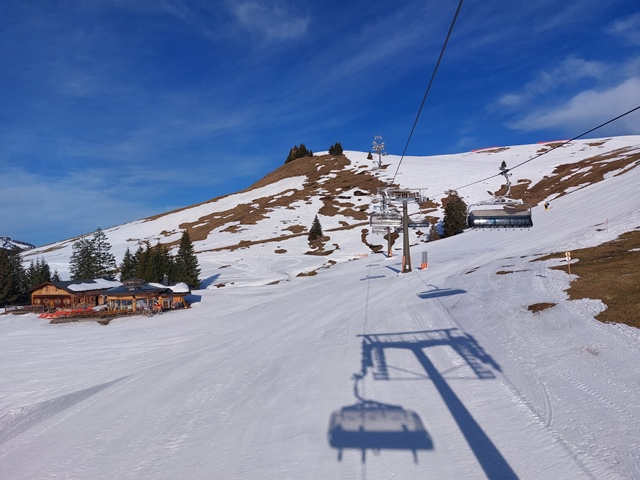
[
  {"x": 440, "y": 292},
  {"x": 377, "y": 426},
  {"x": 370, "y": 425}
]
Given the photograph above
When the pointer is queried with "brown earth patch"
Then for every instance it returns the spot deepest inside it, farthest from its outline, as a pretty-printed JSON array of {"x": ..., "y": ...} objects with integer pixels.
[
  {"x": 492, "y": 150},
  {"x": 312, "y": 273},
  {"x": 296, "y": 229},
  {"x": 280, "y": 250},
  {"x": 572, "y": 175},
  {"x": 363, "y": 237},
  {"x": 538, "y": 307},
  {"x": 316, "y": 170},
  {"x": 608, "y": 272},
  {"x": 506, "y": 272}
]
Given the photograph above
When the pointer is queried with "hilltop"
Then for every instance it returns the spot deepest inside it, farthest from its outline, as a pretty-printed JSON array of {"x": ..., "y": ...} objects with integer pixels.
[{"x": 273, "y": 216}]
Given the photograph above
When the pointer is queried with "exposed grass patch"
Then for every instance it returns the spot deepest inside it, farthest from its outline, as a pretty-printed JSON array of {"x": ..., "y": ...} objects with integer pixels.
[
  {"x": 505, "y": 272},
  {"x": 539, "y": 307},
  {"x": 312, "y": 273},
  {"x": 609, "y": 272}
]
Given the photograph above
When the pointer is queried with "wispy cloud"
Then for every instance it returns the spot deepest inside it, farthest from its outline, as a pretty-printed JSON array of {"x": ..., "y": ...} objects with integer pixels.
[
  {"x": 272, "y": 20},
  {"x": 588, "y": 109},
  {"x": 567, "y": 72},
  {"x": 627, "y": 28},
  {"x": 75, "y": 204}
]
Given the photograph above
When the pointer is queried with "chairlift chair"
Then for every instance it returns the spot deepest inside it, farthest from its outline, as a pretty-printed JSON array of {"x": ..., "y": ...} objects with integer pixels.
[
  {"x": 501, "y": 211},
  {"x": 400, "y": 195},
  {"x": 382, "y": 222}
]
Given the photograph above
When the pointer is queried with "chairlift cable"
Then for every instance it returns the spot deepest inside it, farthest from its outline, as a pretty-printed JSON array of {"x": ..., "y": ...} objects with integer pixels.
[
  {"x": 552, "y": 148},
  {"x": 577, "y": 137},
  {"x": 444, "y": 46}
]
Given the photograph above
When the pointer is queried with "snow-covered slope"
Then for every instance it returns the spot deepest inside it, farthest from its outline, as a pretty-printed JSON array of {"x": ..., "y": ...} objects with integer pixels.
[
  {"x": 10, "y": 244},
  {"x": 244, "y": 384}
]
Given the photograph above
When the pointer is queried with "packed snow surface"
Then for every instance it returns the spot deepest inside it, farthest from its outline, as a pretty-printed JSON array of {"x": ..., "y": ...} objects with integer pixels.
[{"x": 458, "y": 379}]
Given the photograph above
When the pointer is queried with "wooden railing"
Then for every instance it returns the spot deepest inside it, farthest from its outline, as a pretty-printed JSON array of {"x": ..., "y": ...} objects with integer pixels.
[{"x": 24, "y": 309}]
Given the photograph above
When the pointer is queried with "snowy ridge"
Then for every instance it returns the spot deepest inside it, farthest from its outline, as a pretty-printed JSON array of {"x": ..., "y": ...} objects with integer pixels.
[
  {"x": 10, "y": 244},
  {"x": 251, "y": 381}
]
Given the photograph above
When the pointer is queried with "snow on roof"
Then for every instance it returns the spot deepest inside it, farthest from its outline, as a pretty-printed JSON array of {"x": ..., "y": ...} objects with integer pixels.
[
  {"x": 179, "y": 287},
  {"x": 95, "y": 284}
]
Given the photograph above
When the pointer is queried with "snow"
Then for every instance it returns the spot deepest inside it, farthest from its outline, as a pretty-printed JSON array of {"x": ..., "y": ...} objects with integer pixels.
[
  {"x": 95, "y": 284},
  {"x": 243, "y": 384},
  {"x": 179, "y": 287}
]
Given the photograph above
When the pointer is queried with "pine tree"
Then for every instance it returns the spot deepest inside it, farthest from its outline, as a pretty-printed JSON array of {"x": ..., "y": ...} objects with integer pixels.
[
  {"x": 187, "y": 269},
  {"x": 369, "y": 156},
  {"x": 161, "y": 263},
  {"x": 336, "y": 149},
  {"x": 128, "y": 266},
  {"x": 315, "y": 232},
  {"x": 298, "y": 152},
  {"x": 143, "y": 261},
  {"x": 455, "y": 215},
  {"x": 12, "y": 278},
  {"x": 56, "y": 276},
  {"x": 92, "y": 258},
  {"x": 37, "y": 273},
  {"x": 82, "y": 263},
  {"x": 105, "y": 261}
]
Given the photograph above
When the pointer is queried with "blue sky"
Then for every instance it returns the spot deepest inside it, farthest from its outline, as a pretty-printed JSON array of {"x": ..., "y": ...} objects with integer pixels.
[{"x": 112, "y": 110}]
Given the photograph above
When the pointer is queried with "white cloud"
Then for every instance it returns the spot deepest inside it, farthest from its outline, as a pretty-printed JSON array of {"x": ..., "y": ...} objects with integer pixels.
[
  {"x": 627, "y": 28},
  {"x": 73, "y": 205},
  {"x": 569, "y": 71},
  {"x": 588, "y": 109},
  {"x": 272, "y": 20}
]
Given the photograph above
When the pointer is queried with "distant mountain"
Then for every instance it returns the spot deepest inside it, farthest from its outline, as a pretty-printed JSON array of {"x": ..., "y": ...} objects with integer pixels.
[{"x": 9, "y": 244}]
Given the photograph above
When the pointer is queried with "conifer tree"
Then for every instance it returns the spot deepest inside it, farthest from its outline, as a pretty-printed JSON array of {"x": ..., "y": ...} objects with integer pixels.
[
  {"x": 128, "y": 266},
  {"x": 12, "y": 278},
  {"x": 455, "y": 215},
  {"x": 92, "y": 258},
  {"x": 143, "y": 261},
  {"x": 37, "y": 273},
  {"x": 298, "y": 152},
  {"x": 82, "y": 263},
  {"x": 161, "y": 263},
  {"x": 105, "y": 261},
  {"x": 336, "y": 149},
  {"x": 315, "y": 232},
  {"x": 56, "y": 276},
  {"x": 187, "y": 269}
]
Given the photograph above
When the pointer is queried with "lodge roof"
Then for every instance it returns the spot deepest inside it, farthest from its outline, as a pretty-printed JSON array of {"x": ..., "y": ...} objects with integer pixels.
[
  {"x": 137, "y": 286},
  {"x": 81, "y": 285}
]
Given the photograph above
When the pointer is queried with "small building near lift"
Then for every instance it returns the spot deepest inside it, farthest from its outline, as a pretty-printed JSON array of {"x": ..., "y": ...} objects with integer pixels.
[
  {"x": 134, "y": 295},
  {"x": 71, "y": 294}
]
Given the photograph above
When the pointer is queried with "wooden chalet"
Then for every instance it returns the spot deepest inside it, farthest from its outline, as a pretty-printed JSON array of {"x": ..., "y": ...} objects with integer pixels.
[
  {"x": 134, "y": 295},
  {"x": 71, "y": 294}
]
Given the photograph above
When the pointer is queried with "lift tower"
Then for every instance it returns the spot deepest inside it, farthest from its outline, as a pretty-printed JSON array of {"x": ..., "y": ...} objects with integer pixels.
[{"x": 389, "y": 219}]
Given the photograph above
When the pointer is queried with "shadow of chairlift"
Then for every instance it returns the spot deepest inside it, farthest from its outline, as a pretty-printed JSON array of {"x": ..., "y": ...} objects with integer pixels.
[{"x": 370, "y": 425}]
